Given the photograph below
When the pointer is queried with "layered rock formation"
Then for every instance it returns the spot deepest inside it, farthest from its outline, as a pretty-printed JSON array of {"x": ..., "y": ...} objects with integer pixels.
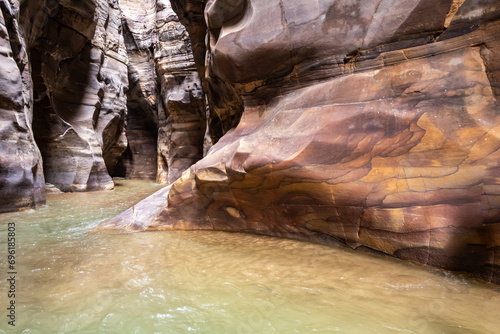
[
  {"x": 70, "y": 86},
  {"x": 104, "y": 87},
  {"x": 166, "y": 120},
  {"x": 21, "y": 170},
  {"x": 371, "y": 124},
  {"x": 182, "y": 114},
  {"x": 224, "y": 104},
  {"x": 142, "y": 117},
  {"x": 79, "y": 65}
]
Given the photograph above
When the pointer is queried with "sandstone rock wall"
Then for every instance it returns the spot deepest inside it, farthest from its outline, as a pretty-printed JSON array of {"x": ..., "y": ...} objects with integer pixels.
[
  {"x": 182, "y": 114},
  {"x": 79, "y": 71},
  {"x": 21, "y": 169},
  {"x": 225, "y": 106},
  {"x": 167, "y": 119},
  {"x": 104, "y": 87},
  {"x": 371, "y": 124},
  {"x": 70, "y": 86},
  {"x": 142, "y": 119}
]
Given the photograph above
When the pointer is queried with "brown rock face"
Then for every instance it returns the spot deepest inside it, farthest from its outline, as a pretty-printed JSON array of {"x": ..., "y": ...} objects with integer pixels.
[
  {"x": 21, "y": 170},
  {"x": 372, "y": 124},
  {"x": 182, "y": 114},
  {"x": 78, "y": 62},
  {"x": 225, "y": 106},
  {"x": 140, "y": 159},
  {"x": 167, "y": 119},
  {"x": 104, "y": 87},
  {"x": 70, "y": 87}
]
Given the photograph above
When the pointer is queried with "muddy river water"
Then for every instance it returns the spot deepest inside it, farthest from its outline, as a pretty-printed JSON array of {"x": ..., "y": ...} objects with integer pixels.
[{"x": 71, "y": 279}]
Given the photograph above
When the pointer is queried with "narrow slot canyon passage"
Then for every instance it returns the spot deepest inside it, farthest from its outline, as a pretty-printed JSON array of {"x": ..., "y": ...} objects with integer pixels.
[{"x": 250, "y": 166}]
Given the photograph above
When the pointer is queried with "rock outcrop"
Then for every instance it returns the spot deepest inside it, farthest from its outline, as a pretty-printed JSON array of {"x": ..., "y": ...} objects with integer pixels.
[
  {"x": 371, "y": 124},
  {"x": 66, "y": 92},
  {"x": 142, "y": 118},
  {"x": 225, "y": 106},
  {"x": 182, "y": 114}
]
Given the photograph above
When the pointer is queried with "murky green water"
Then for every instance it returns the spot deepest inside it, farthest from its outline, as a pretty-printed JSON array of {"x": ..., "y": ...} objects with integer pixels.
[{"x": 73, "y": 280}]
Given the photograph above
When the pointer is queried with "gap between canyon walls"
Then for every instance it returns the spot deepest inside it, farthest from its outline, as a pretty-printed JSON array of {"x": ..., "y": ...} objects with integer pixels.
[
  {"x": 166, "y": 120},
  {"x": 104, "y": 87}
]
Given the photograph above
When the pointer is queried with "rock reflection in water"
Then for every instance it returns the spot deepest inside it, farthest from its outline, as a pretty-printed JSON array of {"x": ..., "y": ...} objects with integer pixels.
[{"x": 73, "y": 280}]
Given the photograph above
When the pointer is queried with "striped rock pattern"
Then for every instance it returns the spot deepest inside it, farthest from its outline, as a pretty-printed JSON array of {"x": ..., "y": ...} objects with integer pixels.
[
  {"x": 166, "y": 119},
  {"x": 371, "y": 124},
  {"x": 92, "y": 89}
]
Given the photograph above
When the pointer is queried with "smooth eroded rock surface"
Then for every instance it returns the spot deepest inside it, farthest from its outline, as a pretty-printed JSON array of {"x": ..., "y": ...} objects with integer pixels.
[
  {"x": 371, "y": 124},
  {"x": 79, "y": 65},
  {"x": 21, "y": 169},
  {"x": 93, "y": 89},
  {"x": 167, "y": 118}
]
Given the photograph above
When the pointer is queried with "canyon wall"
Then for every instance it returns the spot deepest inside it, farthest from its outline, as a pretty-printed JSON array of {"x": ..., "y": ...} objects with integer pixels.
[
  {"x": 369, "y": 124},
  {"x": 166, "y": 104},
  {"x": 93, "y": 89},
  {"x": 21, "y": 170},
  {"x": 78, "y": 63}
]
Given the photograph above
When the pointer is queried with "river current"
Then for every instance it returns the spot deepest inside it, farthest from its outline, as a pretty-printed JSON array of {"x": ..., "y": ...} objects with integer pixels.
[{"x": 72, "y": 279}]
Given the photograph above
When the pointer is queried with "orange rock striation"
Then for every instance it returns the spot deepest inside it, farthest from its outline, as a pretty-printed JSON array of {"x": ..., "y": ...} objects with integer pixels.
[{"x": 371, "y": 124}]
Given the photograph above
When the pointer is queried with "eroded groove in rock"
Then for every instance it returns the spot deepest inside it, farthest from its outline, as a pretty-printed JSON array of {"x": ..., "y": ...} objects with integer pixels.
[
  {"x": 371, "y": 124},
  {"x": 21, "y": 170},
  {"x": 67, "y": 71}
]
